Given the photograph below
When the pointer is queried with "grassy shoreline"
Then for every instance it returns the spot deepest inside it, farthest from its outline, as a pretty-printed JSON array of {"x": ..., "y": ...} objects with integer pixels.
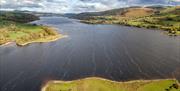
[
  {"x": 14, "y": 28},
  {"x": 23, "y": 34},
  {"x": 166, "y": 29},
  {"x": 101, "y": 84},
  {"x": 43, "y": 40},
  {"x": 20, "y": 42}
]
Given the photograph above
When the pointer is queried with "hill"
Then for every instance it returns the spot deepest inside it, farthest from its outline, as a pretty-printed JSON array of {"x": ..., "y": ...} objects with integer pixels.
[
  {"x": 17, "y": 16},
  {"x": 118, "y": 12},
  {"x": 137, "y": 12},
  {"x": 166, "y": 18}
]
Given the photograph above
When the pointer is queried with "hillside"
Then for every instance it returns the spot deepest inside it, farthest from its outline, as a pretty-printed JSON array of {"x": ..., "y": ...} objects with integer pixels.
[
  {"x": 165, "y": 18},
  {"x": 118, "y": 12},
  {"x": 138, "y": 12},
  {"x": 17, "y": 17},
  {"x": 99, "y": 84}
]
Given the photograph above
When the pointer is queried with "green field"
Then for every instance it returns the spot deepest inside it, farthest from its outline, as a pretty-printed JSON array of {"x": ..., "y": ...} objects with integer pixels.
[
  {"x": 13, "y": 28},
  {"x": 25, "y": 33},
  {"x": 99, "y": 84}
]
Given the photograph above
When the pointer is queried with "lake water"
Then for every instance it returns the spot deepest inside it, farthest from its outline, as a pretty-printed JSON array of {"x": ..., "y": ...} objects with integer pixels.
[{"x": 111, "y": 51}]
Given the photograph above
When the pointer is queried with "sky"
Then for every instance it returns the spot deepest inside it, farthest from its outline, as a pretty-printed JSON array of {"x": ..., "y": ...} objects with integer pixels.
[{"x": 77, "y": 6}]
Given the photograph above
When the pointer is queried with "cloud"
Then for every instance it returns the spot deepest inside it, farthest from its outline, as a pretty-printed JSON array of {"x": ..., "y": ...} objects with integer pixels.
[
  {"x": 177, "y": 0},
  {"x": 63, "y": 6}
]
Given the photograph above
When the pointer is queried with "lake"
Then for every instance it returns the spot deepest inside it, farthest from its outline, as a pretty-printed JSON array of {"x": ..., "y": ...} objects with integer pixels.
[{"x": 114, "y": 52}]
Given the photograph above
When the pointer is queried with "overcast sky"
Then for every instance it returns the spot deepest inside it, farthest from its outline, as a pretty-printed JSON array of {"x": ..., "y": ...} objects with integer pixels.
[{"x": 76, "y": 6}]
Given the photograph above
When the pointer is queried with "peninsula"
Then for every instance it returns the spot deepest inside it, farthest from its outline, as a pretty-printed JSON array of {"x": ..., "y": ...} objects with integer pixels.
[{"x": 14, "y": 27}]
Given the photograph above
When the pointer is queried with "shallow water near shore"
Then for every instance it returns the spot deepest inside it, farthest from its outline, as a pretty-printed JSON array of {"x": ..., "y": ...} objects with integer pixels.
[{"x": 110, "y": 51}]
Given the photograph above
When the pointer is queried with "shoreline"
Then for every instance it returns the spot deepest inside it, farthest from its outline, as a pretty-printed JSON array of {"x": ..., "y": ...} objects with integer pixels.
[
  {"x": 46, "y": 85},
  {"x": 43, "y": 34},
  {"x": 43, "y": 40},
  {"x": 99, "y": 78},
  {"x": 129, "y": 25},
  {"x": 40, "y": 40},
  {"x": 7, "y": 43}
]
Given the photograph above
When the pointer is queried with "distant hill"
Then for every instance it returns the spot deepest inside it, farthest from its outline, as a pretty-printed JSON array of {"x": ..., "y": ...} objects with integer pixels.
[
  {"x": 16, "y": 16},
  {"x": 171, "y": 10},
  {"x": 157, "y": 7},
  {"x": 86, "y": 15},
  {"x": 159, "y": 17},
  {"x": 136, "y": 11},
  {"x": 39, "y": 14}
]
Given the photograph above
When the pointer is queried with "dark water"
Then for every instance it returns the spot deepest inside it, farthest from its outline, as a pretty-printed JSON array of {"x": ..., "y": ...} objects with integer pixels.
[{"x": 110, "y": 51}]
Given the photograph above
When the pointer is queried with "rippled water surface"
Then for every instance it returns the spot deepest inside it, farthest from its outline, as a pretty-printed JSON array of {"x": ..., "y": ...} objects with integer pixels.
[{"x": 110, "y": 51}]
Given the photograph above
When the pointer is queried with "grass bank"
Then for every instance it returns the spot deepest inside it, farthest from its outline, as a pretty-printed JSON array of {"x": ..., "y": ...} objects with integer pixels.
[
  {"x": 14, "y": 28},
  {"x": 24, "y": 34},
  {"x": 99, "y": 84}
]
